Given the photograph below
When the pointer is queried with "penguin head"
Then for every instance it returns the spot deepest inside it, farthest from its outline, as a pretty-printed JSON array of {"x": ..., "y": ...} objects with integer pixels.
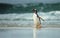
[{"x": 34, "y": 10}]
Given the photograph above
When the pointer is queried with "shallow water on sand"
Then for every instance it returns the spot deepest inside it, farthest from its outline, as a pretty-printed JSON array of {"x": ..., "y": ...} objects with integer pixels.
[{"x": 28, "y": 33}]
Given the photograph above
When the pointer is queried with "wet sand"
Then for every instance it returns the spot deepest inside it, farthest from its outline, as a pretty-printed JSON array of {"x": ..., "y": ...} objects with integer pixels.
[{"x": 43, "y": 27}]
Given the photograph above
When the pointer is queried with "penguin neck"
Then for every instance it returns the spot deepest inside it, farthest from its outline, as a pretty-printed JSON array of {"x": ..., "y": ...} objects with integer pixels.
[{"x": 35, "y": 13}]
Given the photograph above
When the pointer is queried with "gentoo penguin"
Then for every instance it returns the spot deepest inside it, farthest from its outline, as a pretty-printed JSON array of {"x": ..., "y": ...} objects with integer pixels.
[{"x": 36, "y": 18}]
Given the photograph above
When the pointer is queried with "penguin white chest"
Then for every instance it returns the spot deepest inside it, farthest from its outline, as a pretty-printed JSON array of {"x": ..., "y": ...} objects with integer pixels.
[{"x": 36, "y": 19}]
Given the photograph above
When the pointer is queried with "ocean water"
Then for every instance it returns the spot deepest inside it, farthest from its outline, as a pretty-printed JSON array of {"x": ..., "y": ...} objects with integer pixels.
[
  {"x": 16, "y": 15},
  {"x": 26, "y": 19},
  {"x": 28, "y": 33}
]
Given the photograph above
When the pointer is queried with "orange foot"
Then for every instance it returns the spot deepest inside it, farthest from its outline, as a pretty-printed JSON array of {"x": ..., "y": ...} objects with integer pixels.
[{"x": 38, "y": 27}]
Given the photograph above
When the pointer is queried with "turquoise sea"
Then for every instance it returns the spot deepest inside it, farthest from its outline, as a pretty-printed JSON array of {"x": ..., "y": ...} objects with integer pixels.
[{"x": 15, "y": 15}]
